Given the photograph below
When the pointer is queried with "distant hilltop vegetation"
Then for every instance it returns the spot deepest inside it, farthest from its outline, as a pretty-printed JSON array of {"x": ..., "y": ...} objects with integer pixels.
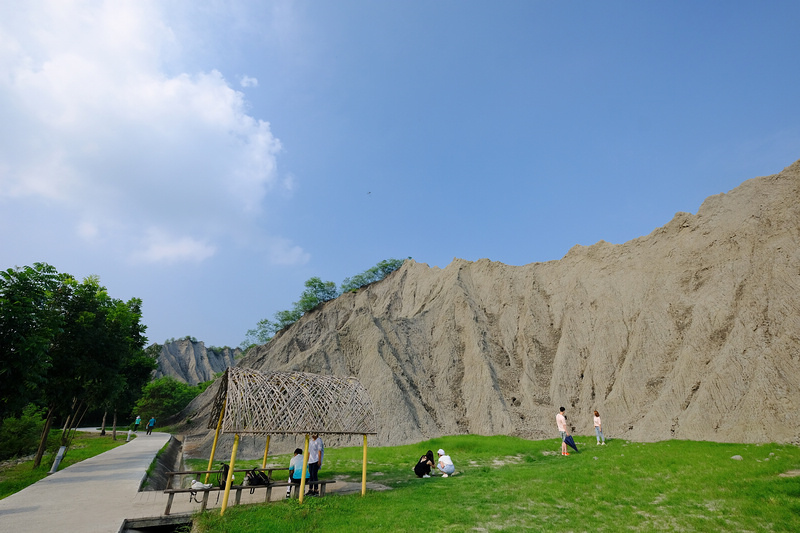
[
  {"x": 189, "y": 360},
  {"x": 690, "y": 332}
]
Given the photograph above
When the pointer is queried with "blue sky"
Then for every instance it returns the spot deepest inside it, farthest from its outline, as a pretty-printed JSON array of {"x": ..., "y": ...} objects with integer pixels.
[{"x": 210, "y": 157}]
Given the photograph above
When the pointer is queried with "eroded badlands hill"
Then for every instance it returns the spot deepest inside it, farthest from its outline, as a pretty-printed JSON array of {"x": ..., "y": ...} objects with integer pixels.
[
  {"x": 691, "y": 332},
  {"x": 191, "y": 362}
]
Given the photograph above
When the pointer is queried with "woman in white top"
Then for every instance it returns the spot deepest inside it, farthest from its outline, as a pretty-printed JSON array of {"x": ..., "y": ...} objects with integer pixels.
[
  {"x": 445, "y": 464},
  {"x": 598, "y": 428}
]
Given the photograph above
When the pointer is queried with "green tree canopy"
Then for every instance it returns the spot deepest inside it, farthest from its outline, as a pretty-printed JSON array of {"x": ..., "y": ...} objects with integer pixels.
[
  {"x": 371, "y": 275},
  {"x": 29, "y": 320},
  {"x": 315, "y": 293},
  {"x": 164, "y": 397},
  {"x": 66, "y": 345}
]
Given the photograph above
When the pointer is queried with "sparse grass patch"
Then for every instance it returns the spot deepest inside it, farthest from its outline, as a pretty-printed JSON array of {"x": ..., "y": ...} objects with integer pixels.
[
  {"x": 509, "y": 484},
  {"x": 151, "y": 468}
]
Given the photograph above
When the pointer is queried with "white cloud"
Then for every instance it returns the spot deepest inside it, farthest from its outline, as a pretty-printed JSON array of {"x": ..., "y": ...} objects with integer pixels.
[
  {"x": 247, "y": 81},
  {"x": 158, "y": 247},
  {"x": 282, "y": 252},
  {"x": 88, "y": 231},
  {"x": 100, "y": 131}
]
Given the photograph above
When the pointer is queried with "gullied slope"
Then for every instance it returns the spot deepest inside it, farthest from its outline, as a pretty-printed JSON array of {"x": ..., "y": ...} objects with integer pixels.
[
  {"x": 191, "y": 362},
  {"x": 691, "y": 332}
]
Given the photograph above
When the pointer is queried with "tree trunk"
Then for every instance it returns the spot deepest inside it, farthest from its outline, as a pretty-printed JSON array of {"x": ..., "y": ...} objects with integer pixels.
[
  {"x": 114, "y": 431},
  {"x": 76, "y": 422},
  {"x": 103, "y": 425},
  {"x": 67, "y": 421},
  {"x": 66, "y": 425},
  {"x": 43, "y": 440}
]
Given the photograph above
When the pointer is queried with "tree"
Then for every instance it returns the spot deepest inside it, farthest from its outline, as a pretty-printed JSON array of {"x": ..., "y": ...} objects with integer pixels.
[
  {"x": 261, "y": 334},
  {"x": 164, "y": 397},
  {"x": 315, "y": 293},
  {"x": 371, "y": 275},
  {"x": 28, "y": 322},
  {"x": 99, "y": 337},
  {"x": 136, "y": 370},
  {"x": 66, "y": 345}
]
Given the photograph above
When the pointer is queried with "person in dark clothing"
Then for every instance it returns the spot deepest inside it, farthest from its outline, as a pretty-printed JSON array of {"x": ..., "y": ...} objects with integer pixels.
[{"x": 424, "y": 465}]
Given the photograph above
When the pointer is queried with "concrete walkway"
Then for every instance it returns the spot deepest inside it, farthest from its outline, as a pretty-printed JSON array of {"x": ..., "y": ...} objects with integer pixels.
[
  {"x": 98, "y": 494},
  {"x": 95, "y": 495}
]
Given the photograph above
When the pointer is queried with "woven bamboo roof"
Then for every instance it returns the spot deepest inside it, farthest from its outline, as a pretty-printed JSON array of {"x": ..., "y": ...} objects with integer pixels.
[{"x": 291, "y": 402}]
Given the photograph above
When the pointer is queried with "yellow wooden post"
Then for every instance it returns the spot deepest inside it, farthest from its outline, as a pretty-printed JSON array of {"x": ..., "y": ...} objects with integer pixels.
[
  {"x": 305, "y": 469},
  {"x": 229, "y": 481},
  {"x": 216, "y": 438},
  {"x": 266, "y": 451},
  {"x": 364, "y": 469}
]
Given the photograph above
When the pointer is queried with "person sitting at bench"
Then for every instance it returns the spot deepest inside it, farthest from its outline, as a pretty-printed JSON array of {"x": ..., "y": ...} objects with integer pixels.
[
  {"x": 445, "y": 464},
  {"x": 295, "y": 470}
]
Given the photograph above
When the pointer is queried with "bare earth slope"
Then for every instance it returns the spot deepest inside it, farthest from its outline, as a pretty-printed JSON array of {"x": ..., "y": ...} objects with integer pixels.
[
  {"x": 191, "y": 362},
  {"x": 691, "y": 332}
]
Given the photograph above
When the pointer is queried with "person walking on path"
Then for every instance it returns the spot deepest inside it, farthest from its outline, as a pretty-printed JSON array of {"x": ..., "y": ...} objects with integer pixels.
[
  {"x": 150, "y": 425},
  {"x": 561, "y": 422},
  {"x": 316, "y": 450},
  {"x": 137, "y": 422},
  {"x": 598, "y": 429}
]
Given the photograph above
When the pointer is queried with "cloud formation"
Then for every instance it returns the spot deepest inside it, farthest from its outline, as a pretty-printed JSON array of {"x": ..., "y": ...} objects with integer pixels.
[
  {"x": 164, "y": 164},
  {"x": 247, "y": 81}
]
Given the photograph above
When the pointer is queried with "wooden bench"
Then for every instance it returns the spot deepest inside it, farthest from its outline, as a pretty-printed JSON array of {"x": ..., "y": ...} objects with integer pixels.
[
  {"x": 198, "y": 473},
  {"x": 238, "y": 488},
  {"x": 296, "y": 486},
  {"x": 173, "y": 492}
]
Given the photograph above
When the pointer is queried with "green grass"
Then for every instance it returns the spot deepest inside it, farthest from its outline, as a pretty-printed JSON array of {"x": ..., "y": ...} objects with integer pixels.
[
  {"x": 511, "y": 484},
  {"x": 84, "y": 445}
]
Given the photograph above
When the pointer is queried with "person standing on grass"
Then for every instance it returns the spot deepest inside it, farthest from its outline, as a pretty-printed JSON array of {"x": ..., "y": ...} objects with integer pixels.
[
  {"x": 150, "y": 425},
  {"x": 561, "y": 422},
  {"x": 137, "y": 422},
  {"x": 598, "y": 428},
  {"x": 316, "y": 449}
]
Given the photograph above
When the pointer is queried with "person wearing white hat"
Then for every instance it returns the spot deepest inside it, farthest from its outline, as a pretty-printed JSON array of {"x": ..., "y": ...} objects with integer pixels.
[{"x": 445, "y": 464}]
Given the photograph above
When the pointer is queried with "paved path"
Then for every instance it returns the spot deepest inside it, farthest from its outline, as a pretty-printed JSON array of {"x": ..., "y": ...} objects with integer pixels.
[
  {"x": 95, "y": 495},
  {"x": 98, "y": 494}
]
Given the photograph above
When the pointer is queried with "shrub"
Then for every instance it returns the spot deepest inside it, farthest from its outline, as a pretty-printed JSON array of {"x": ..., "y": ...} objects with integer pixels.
[{"x": 20, "y": 436}]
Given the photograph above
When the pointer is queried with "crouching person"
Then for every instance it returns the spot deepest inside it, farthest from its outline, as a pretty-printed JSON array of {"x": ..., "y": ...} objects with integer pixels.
[
  {"x": 424, "y": 465},
  {"x": 445, "y": 464}
]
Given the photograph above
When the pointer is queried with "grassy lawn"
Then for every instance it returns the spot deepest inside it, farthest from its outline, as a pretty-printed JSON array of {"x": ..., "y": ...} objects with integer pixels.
[
  {"x": 511, "y": 484},
  {"x": 84, "y": 445}
]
